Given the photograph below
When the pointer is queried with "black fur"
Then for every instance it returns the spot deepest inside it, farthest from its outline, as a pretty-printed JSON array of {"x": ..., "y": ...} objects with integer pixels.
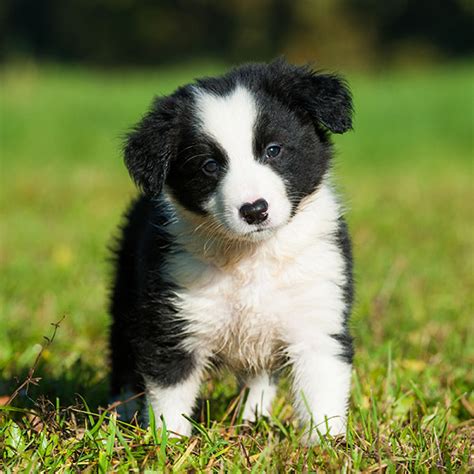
[
  {"x": 165, "y": 142},
  {"x": 298, "y": 108},
  {"x": 146, "y": 329},
  {"x": 324, "y": 99},
  {"x": 344, "y": 338},
  {"x": 305, "y": 156}
]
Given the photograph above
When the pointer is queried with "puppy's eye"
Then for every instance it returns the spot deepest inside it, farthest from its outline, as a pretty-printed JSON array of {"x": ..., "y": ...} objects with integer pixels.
[
  {"x": 272, "y": 151},
  {"x": 210, "y": 167}
]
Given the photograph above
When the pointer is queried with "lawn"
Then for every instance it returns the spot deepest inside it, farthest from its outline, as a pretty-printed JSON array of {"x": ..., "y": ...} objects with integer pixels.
[{"x": 406, "y": 173}]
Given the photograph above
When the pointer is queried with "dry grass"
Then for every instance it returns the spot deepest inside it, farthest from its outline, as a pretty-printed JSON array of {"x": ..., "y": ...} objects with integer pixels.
[{"x": 407, "y": 174}]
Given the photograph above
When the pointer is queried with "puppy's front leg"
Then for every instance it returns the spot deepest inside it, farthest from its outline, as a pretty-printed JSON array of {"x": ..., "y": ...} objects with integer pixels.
[
  {"x": 173, "y": 401},
  {"x": 321, "y": 388},
  {"x": 172, "y": 385}
]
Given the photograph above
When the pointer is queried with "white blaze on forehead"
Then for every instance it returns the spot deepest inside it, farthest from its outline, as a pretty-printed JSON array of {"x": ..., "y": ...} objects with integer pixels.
[{"x": 229, "y": 120}]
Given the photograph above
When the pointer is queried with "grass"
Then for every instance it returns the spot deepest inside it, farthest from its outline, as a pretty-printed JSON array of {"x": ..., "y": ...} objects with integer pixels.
[{"x": 406, "y": 173}]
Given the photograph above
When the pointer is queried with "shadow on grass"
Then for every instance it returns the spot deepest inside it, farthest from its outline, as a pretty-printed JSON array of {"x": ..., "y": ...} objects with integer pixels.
[
  {"x": 79, "y": 385},
  {"x": 82, "y": 389}
]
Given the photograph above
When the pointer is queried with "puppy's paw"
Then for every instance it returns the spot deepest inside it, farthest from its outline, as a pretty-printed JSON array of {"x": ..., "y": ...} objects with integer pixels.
[{"x": 328, "y": 431}]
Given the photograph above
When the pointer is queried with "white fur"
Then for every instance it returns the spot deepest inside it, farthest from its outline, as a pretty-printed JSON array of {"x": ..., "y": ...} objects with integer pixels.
[
  {"x": 172, "y": 402},
  {"x": 230, "y": 121},
  {"x": 321, "y": 387},
  {"x": 279, "y": 297},
  {"x": 260, "y": 396},
  {"x": 254, "y": 304}
]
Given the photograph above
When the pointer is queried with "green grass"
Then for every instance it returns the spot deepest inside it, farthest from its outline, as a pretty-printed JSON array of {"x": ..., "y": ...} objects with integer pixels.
[{"x": 406, "y": 173}]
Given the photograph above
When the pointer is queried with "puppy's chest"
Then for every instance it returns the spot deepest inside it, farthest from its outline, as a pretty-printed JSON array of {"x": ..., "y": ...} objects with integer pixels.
[{"x": 242, "y": 313}]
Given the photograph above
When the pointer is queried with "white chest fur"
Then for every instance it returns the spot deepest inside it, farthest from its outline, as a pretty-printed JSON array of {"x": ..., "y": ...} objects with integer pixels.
[{"x": 268, "y": 295}]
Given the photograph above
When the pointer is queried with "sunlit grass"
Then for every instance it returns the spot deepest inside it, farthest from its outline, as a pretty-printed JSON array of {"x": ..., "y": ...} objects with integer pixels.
[{"x": 406, "y": 173}]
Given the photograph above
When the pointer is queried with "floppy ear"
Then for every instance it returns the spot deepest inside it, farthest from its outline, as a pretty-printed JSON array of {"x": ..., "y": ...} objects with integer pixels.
[
  {"x": 325, "y": 97},
  {"x": 149, "y": 146}
]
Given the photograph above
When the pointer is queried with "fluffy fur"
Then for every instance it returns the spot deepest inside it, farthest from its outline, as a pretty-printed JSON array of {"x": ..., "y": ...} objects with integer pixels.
[{"x": 200, "y": 284}]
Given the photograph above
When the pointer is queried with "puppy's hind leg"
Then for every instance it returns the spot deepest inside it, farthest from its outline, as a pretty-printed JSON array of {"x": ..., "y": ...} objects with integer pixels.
[
  {"x": 125, "y": 383},
  {"x": 262, "y": 390}
]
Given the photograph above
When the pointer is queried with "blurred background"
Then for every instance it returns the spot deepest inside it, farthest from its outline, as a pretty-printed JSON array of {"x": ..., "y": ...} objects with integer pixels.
[
  {"x": 341, "y": 33},
  {"x": 76, "y": 75}
]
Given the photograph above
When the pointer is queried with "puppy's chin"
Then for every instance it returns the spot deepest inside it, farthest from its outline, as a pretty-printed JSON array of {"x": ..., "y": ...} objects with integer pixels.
[
  {"x": 258, "y": 235},
  {"x": 249, "y": 234},
  {"x": 218, "y": 227}
]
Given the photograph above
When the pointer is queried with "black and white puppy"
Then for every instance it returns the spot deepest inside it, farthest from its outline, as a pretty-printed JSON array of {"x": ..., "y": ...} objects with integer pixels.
[{"x": 236, "y": 253}]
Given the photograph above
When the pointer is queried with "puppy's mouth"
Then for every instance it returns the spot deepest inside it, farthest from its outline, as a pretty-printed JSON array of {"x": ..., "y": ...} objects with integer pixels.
[
  {"x": 261, "y": 232},
  {"x": 235, "y": 229}
]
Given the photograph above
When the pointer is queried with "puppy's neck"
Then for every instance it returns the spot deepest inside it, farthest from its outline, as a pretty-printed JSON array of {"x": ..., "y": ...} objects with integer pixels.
[
  {"x": 315, "y": 218},
  {"x": 205, "y": 239}
]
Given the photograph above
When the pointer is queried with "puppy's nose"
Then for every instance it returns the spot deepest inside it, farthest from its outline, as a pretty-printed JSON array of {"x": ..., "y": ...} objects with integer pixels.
[{"x": 255, "y": 212}]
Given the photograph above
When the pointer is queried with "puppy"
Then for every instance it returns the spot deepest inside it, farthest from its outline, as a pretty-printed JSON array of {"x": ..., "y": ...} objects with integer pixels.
[{"x": 236, "y": 253}]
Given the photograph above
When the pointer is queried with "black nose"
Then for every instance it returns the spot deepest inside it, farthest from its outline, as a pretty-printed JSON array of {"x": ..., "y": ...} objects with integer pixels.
[{"x": 254, "y": 213}]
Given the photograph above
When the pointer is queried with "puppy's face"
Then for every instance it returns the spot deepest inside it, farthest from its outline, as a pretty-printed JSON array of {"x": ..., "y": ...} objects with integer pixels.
[{"x": 243, "y": 150}]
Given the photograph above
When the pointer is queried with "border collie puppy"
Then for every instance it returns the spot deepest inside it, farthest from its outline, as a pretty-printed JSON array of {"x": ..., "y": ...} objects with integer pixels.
[{"x": 236, "y": 253}]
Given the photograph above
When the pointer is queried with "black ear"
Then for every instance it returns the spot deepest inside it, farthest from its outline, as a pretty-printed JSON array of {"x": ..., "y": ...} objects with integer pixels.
[
  {"x": 149, "y": 146},
  {"x": 329, "y": 101},
  {"x": 325, "y": 97}
]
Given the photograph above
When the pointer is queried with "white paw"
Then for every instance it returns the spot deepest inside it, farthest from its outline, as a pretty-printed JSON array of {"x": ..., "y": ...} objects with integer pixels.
[
  {"x": 259, "y": 399},
  {"x": 176, "y": 426},
  {"x": 332, "y": 427},
  {"x": 254, "y": 411}
]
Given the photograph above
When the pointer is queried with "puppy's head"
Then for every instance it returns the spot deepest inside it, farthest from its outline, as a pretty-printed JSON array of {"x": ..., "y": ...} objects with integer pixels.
[{"x": 241, "y": 150}]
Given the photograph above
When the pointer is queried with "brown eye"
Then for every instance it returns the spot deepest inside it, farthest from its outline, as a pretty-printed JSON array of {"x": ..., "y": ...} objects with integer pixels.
[
  {"x": 210, "y": 167},
  {"x": 272, "y": 151}
]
